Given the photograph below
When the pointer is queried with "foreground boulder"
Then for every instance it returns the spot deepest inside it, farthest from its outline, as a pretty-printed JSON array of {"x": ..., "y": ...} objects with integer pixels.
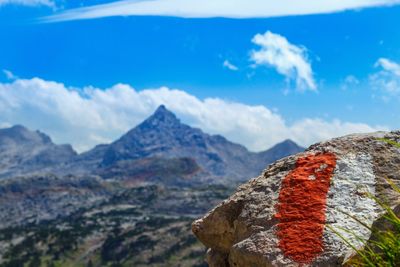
[{"x": 291, "y": 214}]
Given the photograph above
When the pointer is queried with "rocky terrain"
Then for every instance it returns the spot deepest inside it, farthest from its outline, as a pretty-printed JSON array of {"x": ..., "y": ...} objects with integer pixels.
[
  {"x": 291, "y": 215},
  {"x": 25, "y": 200},
  {"x": 24, "y": 152},
  {"x": 128, "y": 203},
  {"x": 142, "y": 226}
]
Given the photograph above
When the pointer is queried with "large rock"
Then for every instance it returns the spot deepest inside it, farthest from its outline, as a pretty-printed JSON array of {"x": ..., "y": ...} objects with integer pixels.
[{"x": 288, "y": 216}]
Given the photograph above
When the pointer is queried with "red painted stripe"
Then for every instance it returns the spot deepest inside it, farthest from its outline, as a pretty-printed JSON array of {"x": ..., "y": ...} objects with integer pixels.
[{"x": 302, "y": 205}]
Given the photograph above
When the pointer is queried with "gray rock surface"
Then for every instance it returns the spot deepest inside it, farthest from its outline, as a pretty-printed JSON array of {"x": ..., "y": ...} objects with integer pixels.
[{"x": 285, "y": 216}]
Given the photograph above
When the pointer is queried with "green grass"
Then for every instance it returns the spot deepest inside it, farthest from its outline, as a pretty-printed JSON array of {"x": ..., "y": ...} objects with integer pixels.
[
  {"x": 391, "y": 142},
  {"x": 383, "y": 249}
]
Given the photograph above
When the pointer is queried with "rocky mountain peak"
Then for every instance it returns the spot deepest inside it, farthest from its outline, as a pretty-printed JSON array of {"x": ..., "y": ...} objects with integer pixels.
[
  {"x": 161, "y": 136},
  {"x": 280, "y": 150},
  {"x": 162, "y": 110},
  {"x": 164, "y": 135},
  {"x": 25, "y": 151},
  {"x": 288, "y": 143},
  {"x": 21, "y": 135},
  {"x": 14, "y": 131},
  {"x": 162, "y": 117},
  {"x": 18, "y": 128}
]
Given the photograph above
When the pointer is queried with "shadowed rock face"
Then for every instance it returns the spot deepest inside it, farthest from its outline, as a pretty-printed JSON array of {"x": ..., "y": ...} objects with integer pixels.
[{"x": 281, "y": 217}]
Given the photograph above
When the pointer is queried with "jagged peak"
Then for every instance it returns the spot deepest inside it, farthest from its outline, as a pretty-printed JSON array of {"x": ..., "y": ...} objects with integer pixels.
[
  {"x": 15, "y": 130},
  {"x": 21, "y": 133},
  {"x": 287, "y": 142},
  {"x": 163, "y": 111},
  {"x": 288, "y": 146},
  {"x": 18, "y": 128},
  {"x": 162, "y": 116}
]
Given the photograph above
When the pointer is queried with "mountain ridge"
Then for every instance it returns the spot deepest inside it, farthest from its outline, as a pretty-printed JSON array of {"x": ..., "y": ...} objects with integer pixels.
[
  {"x": 164, "y": 135},
  {"x": 161, "y": 135},
  {"x": 129, "y": 201},
  {"x": 23, "y": 151}
]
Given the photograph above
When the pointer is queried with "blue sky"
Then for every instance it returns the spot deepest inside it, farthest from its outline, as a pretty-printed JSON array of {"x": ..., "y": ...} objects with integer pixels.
[{"x": 336, "y": 69}]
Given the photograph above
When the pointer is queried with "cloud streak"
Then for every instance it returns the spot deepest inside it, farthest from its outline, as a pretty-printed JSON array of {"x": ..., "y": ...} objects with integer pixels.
[
  {"x": 31, "y": 3},
  {"x": 389, "y": 66},
  {"x": 228, "y": 65},
  {"x": 288, "y": 59},
  {"x": 215, "y": 8},
  {"x": 88, "y": 116},
  {"x": 9, "y": 75}
]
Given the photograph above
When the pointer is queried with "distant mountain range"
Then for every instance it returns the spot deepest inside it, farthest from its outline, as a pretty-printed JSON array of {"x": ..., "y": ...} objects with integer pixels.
[
  {"x": 144, "y": 153},
  {"x": 128, "y": 203}
]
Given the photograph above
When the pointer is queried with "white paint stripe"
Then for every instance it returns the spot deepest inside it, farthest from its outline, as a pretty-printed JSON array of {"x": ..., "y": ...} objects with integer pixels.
[{"x": 353, "y": 177}]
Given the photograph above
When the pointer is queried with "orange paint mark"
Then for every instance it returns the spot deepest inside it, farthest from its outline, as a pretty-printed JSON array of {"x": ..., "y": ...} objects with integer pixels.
[{"x": 302, "y": 206}]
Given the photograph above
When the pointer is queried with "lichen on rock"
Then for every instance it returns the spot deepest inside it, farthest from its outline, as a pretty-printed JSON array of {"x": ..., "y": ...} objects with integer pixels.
[{"x": 281, "y": 218}]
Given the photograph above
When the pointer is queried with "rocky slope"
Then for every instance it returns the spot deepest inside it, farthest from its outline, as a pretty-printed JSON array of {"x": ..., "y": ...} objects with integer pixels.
[
  {"x": 288, "y": 215},
  {"x": 27, "y": 200},
  {"x": 24, "y": 152},
  {"x": 140, "y": 226},
  {"x": 32, "y": 199}
]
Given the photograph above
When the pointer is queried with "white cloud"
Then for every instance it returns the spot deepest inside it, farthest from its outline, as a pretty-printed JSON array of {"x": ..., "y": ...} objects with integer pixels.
[
  {"x": 9, "y": 75},
  {"x": 350, "y": 82},
  {"x": 388, "y": 66},
  {"x": 88, "y": 116},
  {"x": 32, "y": 3},
  {"x": 227, "y": 64},
  {"x": 387, "y": 80},
  {"x": 216, "y": 8},
  {"x": 288, "y": 59}
]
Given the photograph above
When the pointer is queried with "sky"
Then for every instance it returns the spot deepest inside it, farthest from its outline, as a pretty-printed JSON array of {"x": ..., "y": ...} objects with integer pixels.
[{"x": 257, "y": 72}]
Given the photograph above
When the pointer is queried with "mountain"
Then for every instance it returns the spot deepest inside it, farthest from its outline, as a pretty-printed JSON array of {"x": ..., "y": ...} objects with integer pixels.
[
  {"x": 160, "y": 140},
  {"x": 163, "y": 135},
  {"x": 128, "y": 203},
  {"x": 23, "y": 152},
  {"x": 281, "y": 150}
]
